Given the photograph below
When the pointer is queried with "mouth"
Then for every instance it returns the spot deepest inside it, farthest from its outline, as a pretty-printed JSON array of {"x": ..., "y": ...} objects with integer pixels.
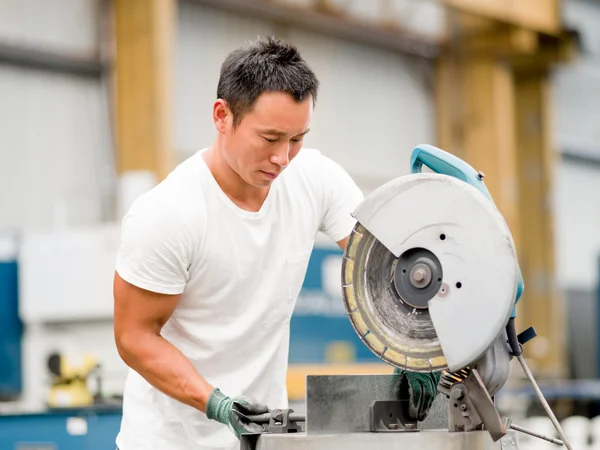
[{"x": 270, "y": 175}]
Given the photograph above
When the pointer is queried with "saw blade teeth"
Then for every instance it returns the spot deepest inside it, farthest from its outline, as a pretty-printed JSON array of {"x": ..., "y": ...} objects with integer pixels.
[
  {"x": 383, "y": 352},
  {"x": 366, "y": 334}
]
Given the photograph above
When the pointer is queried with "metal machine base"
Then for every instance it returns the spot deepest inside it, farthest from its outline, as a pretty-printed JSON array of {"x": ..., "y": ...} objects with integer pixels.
[
  {"x": 420, "y": 440},
  {"x": 358, "y": 412}
]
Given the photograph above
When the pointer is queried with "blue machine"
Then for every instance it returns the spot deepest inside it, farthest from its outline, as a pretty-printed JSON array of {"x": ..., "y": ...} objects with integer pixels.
[
  {"x": 80, "y": 429},
  {"x": 10, "y": 325},
  {"x": 320, "y": 318}
]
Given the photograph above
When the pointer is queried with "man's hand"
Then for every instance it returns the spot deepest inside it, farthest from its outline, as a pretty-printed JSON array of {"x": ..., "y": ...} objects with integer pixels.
[
  {"x": 233, "y": 412},
  {"x": 421, "y": 390}
]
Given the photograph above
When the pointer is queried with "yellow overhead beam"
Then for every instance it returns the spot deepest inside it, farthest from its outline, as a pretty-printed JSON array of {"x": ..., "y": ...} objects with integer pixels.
[
  {"x": 143, "y": 34},
  {"x": 537, "y": 15},
  {"x": 475, "y": 121},
  {"x": 542, "y": 305}
]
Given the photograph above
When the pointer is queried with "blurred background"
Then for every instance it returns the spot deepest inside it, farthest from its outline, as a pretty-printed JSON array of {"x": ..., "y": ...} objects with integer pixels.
[{"x": 100, "y": 99}]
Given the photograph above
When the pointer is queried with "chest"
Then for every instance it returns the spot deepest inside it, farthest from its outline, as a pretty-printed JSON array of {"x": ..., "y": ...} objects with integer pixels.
[{"x": 265, "y": 253}]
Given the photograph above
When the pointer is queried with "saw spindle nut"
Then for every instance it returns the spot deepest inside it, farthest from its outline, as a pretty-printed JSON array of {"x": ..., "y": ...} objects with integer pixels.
[{"x": 420, "y": 275}]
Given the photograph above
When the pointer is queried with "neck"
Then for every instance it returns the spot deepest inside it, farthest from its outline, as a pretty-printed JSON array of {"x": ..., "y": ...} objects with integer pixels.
[{"x": 244, "y": 195}]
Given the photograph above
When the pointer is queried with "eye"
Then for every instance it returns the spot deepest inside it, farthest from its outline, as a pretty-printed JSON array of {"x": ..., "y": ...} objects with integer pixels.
[
  {"x": 297, "y": 139},
  {"x": 269, "y": 140}
]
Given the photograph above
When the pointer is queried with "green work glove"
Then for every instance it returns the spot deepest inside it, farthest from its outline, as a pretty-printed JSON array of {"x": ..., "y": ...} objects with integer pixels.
[
  {"x": 421, "y": 390},
  {"x": 233, "y": 412}
]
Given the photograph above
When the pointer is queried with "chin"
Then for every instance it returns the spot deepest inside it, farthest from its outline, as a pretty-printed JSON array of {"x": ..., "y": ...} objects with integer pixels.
[
  {"x": 263, "y": 183},
  {"x": 258, "y": 182}
]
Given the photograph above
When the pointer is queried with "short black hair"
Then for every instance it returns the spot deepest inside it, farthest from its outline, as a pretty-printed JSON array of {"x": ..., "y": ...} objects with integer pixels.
[{"x": 264, "y": 66}]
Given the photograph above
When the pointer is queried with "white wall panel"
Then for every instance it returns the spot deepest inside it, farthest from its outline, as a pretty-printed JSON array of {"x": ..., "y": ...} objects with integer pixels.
[
  {"x": 584, "y": 15},
  {"x": 577, "y": 190},
  {"x": 576, "y": 104},
  {"x": 373, "y": 108},
  {"x": 55, "y": 145},
  {"x": 577, "y": 85},
  {"x": 67, "y": 25}
]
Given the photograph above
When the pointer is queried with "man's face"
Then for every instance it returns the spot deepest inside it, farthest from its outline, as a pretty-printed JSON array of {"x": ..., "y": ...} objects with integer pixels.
[{"x": 267, "y": 138}]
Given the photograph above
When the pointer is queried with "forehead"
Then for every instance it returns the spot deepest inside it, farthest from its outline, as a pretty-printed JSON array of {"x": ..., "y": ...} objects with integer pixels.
[{"x": 280, "y": 110}]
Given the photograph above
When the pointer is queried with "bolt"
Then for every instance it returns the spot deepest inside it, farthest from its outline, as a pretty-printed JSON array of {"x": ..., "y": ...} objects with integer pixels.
[
  {"x": 410, "y": 426},
  {"x": 457, "y": 394},
  {"x": 419, "y": 275},
  {"x": 463, "y": 407}
]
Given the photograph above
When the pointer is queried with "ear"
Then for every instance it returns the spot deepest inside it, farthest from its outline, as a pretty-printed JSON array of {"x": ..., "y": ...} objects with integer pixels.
[{"x": 221, "y": 115}]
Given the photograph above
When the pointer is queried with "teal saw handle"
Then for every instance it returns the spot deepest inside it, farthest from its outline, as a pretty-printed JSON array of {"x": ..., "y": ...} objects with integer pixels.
[{"x": 445, "y": 163}]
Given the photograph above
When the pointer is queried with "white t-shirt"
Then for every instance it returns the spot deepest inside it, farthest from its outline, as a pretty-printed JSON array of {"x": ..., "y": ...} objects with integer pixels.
[{"x": 239, "y": 274}]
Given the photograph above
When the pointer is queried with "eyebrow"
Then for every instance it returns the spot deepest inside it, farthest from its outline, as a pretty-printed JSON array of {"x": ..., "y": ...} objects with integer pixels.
[{"x": 275, "y": 132}]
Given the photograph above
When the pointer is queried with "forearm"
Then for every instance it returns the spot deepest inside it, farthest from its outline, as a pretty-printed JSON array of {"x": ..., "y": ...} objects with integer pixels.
[{"x": 166, "y": 368}]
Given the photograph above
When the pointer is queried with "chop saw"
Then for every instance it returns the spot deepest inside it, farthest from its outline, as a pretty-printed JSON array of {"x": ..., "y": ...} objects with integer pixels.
[{"x": 430, "y": 281}]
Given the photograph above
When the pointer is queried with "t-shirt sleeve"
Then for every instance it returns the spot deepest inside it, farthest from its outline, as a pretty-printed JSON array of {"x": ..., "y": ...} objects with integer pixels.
[
  {"x": 341, "y": 197},
  {"x": 155, "y": 248}
]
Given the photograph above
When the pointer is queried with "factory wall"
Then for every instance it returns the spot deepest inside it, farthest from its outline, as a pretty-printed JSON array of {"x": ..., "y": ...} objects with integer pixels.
[
  {"x": 56, "y": 169},
  {"x": 576, "y": 135},
  {"x": 56, "y": 145}
]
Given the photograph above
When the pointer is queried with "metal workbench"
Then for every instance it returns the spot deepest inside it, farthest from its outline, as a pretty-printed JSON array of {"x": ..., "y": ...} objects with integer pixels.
[
  {"x": 419, "y": 440},
  {"x": 340, "y": 413}
]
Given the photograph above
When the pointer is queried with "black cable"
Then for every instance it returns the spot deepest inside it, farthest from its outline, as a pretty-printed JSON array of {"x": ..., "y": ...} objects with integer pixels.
[{"x": 513, "y": 340}]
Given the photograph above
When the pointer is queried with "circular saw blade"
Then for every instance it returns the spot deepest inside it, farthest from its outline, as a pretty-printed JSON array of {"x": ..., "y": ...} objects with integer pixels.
[
  {"x": 453, "y": 266},
  {"x": 397, "y": 332}
]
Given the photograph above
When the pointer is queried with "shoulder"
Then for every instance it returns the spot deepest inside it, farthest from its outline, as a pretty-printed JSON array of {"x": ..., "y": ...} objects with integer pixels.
[{"x": 177, "y": 202}]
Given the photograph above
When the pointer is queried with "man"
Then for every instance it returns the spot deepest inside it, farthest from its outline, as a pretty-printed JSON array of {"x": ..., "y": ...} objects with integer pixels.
[{"x": 211, "y": 261}]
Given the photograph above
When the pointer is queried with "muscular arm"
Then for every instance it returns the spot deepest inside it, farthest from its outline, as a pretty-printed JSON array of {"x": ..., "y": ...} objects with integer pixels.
[{"x": 139, "y": 318}]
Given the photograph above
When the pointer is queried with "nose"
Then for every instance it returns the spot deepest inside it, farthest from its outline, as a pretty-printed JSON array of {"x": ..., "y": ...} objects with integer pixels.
[{"x": 281, "y": 154}]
